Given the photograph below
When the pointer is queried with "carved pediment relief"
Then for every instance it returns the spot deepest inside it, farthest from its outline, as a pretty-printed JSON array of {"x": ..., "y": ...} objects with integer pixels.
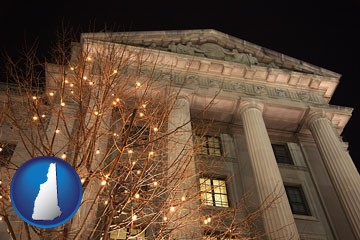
[{"x": 212, "y": 44}]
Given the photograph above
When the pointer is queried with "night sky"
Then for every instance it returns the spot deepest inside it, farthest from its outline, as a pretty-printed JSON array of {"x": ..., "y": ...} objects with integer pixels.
[{"x": 322, "y": 33}]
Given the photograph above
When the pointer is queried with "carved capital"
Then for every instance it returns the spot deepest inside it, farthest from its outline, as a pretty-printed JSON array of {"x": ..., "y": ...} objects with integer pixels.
[
  {"x": 314, "y": 116},
  {"x": 246, "y": 104}
]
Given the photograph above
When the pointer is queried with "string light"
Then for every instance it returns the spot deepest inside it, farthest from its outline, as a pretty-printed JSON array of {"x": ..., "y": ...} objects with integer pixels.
[
  {"x": 97, "y": 151},
  {"x": 103, "y": 182},
  {"x": 88, "y": 58},
  {"x": 172, "y": 209},
  {"x": 183, "y": 198},
  {"x": 165, "y": 219},
  {"x": 84, "y": 77},
  {"x": 35, "y": 118},
  {"x": 151, "y": 154},
  {"x": 71, "y": 85},
  {"x": 155, "y": 183},
  {"x": 57, "y": 131},
  {"x": 0, "y": 182},
  {"x": 138, "y": 172},
  {"x": 1, "y": 218},
  {"x": 51, "y": 94},
  {"x": 1, "y": 149},
  {"x": 118, "y": 99},
  {"x": 0, "y": 196},
  {"x": 138, "y": 84},
  {"x": 66, "y": 81},
  {"x": 82, "y": 180},
  {"x": 34, "y": 97},
  {"x": 141, "y": 114},
  {"x": 209, "y": 219},
  {"x": 115, "y": 71},
  {"x": 106, "y": 202},
  {"x": 114, "y": 103},
  {"x": 63, "y": 104},
  {"x": 91, "y": 83},
  {"x": 144, "y": 105},
  {"x": 63, "y": 156},
  {"x": 96, "y": 113},
  {"x": 130, "y": 151},
  {"x": 72, "y": 68},
  {"x": 137, "y": 196},
  {"x": 205, "y": 221},
  {"x": 134, "y": 217},
  {"x": 72, "y": 92},
  {"x": 43, "y": 115},
  {"x": 156, "y": 129}
]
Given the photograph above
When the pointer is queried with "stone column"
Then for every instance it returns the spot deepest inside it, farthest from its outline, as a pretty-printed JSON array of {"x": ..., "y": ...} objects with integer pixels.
[
  {"x": 182, "y": 172},
  {"x": 341, "y": 169},
  {"x": 278, "y": 219}
]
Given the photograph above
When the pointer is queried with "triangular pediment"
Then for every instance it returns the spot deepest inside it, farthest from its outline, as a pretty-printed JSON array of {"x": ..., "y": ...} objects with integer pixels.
[{"x": 212, "y": 44}]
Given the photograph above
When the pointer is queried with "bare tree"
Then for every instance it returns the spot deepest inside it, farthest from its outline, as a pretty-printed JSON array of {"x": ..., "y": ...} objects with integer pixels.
[{"x": 104, "y": 108}]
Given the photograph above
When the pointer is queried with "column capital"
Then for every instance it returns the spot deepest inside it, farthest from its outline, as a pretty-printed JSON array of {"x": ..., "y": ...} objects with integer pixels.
[
  {"x": 315, "y": 115},
  {"x": 250, "y": 103}
]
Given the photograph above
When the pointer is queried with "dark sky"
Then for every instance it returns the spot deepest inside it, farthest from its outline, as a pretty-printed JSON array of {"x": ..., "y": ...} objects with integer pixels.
[{"x": 322, "y": 33}]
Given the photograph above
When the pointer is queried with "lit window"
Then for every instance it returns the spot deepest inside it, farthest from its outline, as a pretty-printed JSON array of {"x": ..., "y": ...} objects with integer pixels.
[
  {"x": 6, "y": 152},
  {"x": 210, "y": 145},
  {"x": 297, "y": 200},
  {"x": 282, "y": 153},
  {"x": 213, "y": 192},
  {"x": 127, "y": 233}
]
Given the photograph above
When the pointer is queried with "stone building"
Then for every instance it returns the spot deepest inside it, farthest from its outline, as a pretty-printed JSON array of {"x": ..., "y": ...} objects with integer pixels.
[{"x": 272, "y": 126}]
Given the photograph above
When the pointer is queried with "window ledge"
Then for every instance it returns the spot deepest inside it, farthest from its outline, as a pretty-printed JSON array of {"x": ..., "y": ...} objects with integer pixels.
[
  {"x": 305, "y": 217},
  {"x": 215, "y": 158},
  {"x": 284, "y": 165}
]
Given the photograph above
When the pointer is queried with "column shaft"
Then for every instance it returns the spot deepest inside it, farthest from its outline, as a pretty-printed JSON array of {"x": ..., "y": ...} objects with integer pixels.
[
  {"x": 341, "y": 169},
  {"x": 182, "y": 171},
  {"x": 278, "y": 219}
]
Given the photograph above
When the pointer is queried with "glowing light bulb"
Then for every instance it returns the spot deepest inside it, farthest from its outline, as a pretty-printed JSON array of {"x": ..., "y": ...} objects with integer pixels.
[
  {"x": 72, "y": 68},
  {"x": 35, "y": 118},
  {"x": 156, "y": 129},
  {"x": 103, "y": 182},
  {"x": 72, "y": 92},
  {"x": 97, "y": 151},
  {"x": 66, "y": 81},
  {"x": 91, "y": 83},
  {"x": 1, "y": 218},
  {"x": 115, "y": 71},
  {"x": 51, "y": 94},
  {"x": 130, "y": 151},
  {"x": 106, "y": 202},
  {"x": 43, "y": 115},
  {"x": 96, "y": 113},
  {"x": 155, "y": 183},
  {"x": 85, "y": 77},
  {"x": 144, "y": 105},
  {"x": 165, "y": 219},
  {"x": 88, "y": 58},
  {"x": 205, "y": 221},
  {"x": 134, "y": 217},
  {"x": 172, "y": 209},
  {"x": 82, "y": 180},
  {"x": 137, "y": 195},
  {"x": 151, "y": 154},
  {"x": 71, "y": 85},
  {"x": 1, "y": 149},
  {"x": 138, "y": 172},
  {"x": 63, "y": 104},
  {"x": 183, "y": 198},
  {"x": 138, "y": 84},
  {"x": 118, "y": 99},
  {"x": 34, "y": 97},
  {"x": 141, "y": 114},
  {"x": 114, "y": 103},
  {"x": 57, "y": 131},
  {"x": 209, "y": 219},
  {"x": 0, "y": 197},
  {"x": 63, "y": 156}
]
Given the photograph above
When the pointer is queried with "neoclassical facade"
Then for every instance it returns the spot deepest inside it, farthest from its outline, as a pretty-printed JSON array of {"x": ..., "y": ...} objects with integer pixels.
[{"x": 270, "y": 123}]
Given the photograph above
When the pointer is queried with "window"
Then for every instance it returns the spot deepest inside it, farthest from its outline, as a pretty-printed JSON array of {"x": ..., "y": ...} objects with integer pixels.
[
  {"x": 297, "y": 200},
  {"x": 128, "y": 233},
  {"x": 210, "y": 145},
  {"x": 6, "y": 152},
  {"x": 213, "y": 192},
  {"x": 282, "y": 153}
]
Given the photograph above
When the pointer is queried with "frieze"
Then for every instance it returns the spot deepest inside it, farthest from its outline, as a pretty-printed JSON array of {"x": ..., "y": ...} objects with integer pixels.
[{"x": 193, "y": 81}]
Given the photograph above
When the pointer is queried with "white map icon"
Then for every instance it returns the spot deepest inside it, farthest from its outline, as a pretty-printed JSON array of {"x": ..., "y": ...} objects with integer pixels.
[{"x": 46, "y": 203}]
